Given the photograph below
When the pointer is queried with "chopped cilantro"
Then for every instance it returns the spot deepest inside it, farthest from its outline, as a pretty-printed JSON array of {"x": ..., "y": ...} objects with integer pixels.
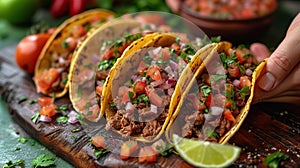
[
  {"x": 206, "y": 90},
  {"x": 143, "y": 98},
  {"x": 177, "y": 40},
  {"x": 211, "y": 133},
  {"x": 65, "y": 81},
  {"x": 100, "y": 152},
  {"x": 244, "y": 92},
  {"x": 74, "y": 138},
  {"x": 87, "y": 105},
  {"x": 11, "y": 164},
  {"x": 147, "y": 59},
  {"x": 215, "y": 39},
  {"x": 62, "y": 107},
  {"x": 32, "y": 101},
  {"x": 22, "y": 98},
  {"x": 22, "y": 140},
  {"x": 62, "y": 119},
  {"x": 113, "y": 105},
  {"x": 65, "y": 45},
  {"x": 273, "y": 160},
  {"x": 44, "y": 160},
  {"x": 75, "y": 130},
  {"x": 241, "y": 46},
  {"x": 130, "y": 95},
  {"x": 107, "y": 64},
  {"x": 35, "y": 117},
  {"x": 241, "y": 68}
]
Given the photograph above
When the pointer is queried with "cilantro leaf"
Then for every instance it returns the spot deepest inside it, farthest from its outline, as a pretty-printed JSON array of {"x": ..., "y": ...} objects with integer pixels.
[
  {"x": 206, "y": 90},
  {"x": 62, "y": 119},
  {"x": 35, "y": 117},
  {"x": 100, "y": 152},
  {"x": 11, "y": 164},
  {"x": 22, "y": 140},
  {"x": 244, "y": 92},
  {"x": 44, "y": 160},
  {"x": 273, "y": 160}
]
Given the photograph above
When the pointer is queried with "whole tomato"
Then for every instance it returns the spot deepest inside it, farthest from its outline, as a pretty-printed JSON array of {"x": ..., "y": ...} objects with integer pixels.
[{"x": 29, "y": 49}]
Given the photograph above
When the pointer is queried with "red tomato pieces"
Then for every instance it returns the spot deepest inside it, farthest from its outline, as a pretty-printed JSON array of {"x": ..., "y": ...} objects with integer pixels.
[
  {"x": 128, "y": 148},
  {"x": 45, "y": 79},
  {"x": 49, "y": 110},
  {"x": 139, "y": 87},
  {"x": 147, "y": 155},
  {"x": 228, "y": 115},
  {"x": 45, "y": 101},
  {"x": 155, "y": 99},
  {"x": 98, "y": 141},
  {"x": 245, "y": 81}
]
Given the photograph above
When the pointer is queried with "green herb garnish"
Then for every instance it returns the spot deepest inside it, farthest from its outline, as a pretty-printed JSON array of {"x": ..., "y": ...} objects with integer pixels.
[
  {"x": 244, "y": 92},
  {"x": 11, "y": 164},
  {"x": 273, "y": 160},
  {"x": 22, "y": 140},
  {"x": 32, "y": 101},
  {"x": 215, "y": 39},
  {"x": 62, "y": 119},
  {"x": 206, "y": 90},
  {"x": 100, "y": 152},
  {"x": 75, "y": 130},
  {"x": 35, "y": 117},
  {"x": 44, "y": 160},
  {"x": 63, "y": 107},
  {"x": 22, "y": 98}
]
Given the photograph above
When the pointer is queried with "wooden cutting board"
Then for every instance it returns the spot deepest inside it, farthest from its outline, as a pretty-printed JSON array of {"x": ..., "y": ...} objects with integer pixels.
[{"x": 267, "y": 128}]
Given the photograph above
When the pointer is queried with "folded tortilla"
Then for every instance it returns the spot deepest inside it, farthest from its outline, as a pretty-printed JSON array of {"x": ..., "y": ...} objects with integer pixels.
[
  {"x": 195, "y": 118},
  {"x": 53, "y": 64}
]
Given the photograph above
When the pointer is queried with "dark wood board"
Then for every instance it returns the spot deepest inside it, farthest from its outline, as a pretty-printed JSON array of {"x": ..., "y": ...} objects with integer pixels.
[{"x": 269, "y": 127}]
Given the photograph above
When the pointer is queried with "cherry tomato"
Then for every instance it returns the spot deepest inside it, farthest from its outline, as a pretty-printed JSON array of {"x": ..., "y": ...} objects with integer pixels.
[
  {"x": 45, "y": 101},
  {"x": 77, "y": 6},
  {"x": 28, "y": 51},
  {"x": 59, "y": 8},
  {"x": 98, "y": 141},
  {"x": 127, "y": 149}
]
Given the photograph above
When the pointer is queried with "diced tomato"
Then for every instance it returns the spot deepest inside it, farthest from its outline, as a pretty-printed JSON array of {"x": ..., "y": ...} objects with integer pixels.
[
  {"x": 228, "y": 103},
  {"x": 233, "y": 70},
  {"x": 247, "y": 13},
  {"x": 206, "y": 78},
  {"x": 245, "y": 81},
  {"x": 128, "y": 148},
  {"x": 155, "y": 99},
  {"x": 78, "y": 31},
  {"x": 99, "y": 89},
  {"x": 154, "y": 73},
  {"x": 139, "y": 87},
  {"x": 93, "y": 112},
  {"x": 228, "y": 115},
  {"x": 108, "y": 54},
  {"x": 239, "y": 56},
  {"x": 46, "y": 79},
  {"x": 149, "y": 89},
  {"x": 142, "y": 67},
  {"x": 98, "y": 141},
  {"x": 126, "y": 97},
  {"x": 208, "y": 101},
  {"x": 196, "y": 102},
  {"x": 70, "y": 43},
  {"x": 49, "y": 110},
  {"x": 147, "y": 155},
  {"x": 165, "y": 54},
  {"x": 45, "y": 101}
]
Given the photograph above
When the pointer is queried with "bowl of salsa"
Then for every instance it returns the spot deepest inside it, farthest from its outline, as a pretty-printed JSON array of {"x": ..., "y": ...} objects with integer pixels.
[{"x": 235, "y": 20}]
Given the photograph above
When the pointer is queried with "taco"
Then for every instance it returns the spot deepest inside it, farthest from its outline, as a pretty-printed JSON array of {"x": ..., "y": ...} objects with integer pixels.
[
  {"x": 139, "y": 92},
  {"x": 218, "y": 97},
  {"x": 52, "y": 67},
  {"x": 92, "y": 63}
]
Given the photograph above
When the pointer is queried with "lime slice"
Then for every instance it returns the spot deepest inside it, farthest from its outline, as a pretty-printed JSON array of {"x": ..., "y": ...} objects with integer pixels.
[{"x": 205, "y": 154}]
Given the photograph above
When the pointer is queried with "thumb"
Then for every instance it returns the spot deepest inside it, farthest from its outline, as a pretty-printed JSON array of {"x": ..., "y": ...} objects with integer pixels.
[{"x": 283, "y": 59}]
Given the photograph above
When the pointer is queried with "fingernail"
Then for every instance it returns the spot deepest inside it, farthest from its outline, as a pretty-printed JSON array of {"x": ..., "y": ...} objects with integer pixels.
[{"x": 267, "y": 81}]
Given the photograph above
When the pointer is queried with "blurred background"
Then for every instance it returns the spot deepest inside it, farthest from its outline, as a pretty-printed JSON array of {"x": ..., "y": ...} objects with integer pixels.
[{"x": 19, "y": 18}]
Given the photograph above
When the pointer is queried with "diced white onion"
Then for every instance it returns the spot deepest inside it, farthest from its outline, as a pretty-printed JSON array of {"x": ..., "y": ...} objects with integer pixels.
[
  {"x": 208, "y": 117},
  {"x": 170, "y": 91},
  {"x": 173, "y": 65},
  {"x": 72, "y": 117},
  {"x": 236, "y": 83},
  {"x": 61, "y": 60},
  {"x": 216, "y": 111},
  {"x": 157, "y": 83},
  {"x": 99, "y": 83},
  {"x": 45, "y": 118},
  {"x": 153, "y": 108},
  {"x": 248, "y": 72},
  {"x": 129, "y": 106}
]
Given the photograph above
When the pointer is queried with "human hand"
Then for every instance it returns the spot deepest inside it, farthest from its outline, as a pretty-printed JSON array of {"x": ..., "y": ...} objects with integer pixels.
[{"x": 280, "y": 78}]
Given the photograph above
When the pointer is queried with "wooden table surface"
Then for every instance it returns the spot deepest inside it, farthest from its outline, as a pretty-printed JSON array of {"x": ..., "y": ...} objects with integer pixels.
[{"x": 269, "y": 127}]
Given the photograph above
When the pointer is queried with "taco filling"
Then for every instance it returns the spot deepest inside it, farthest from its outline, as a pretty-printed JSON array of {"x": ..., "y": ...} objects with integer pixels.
[
  {"x": 142, "y": 103},
  {"x": 55, "y": 78},
  {"x": 210, "y": 108}
]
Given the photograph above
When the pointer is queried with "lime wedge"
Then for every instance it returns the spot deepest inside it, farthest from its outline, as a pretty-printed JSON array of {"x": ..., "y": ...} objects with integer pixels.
[{"x": 205, "y": 154}]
